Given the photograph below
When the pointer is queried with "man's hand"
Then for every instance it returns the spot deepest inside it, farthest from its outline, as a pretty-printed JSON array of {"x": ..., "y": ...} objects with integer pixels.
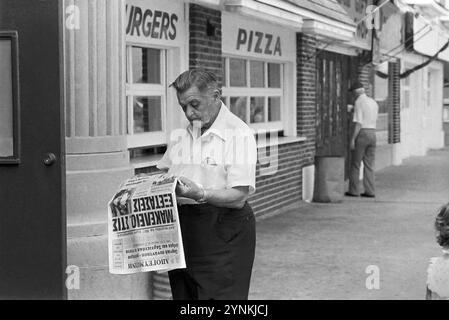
[
  {"x": 352, "y": 145},
  {"x": 188, "y": 189}
]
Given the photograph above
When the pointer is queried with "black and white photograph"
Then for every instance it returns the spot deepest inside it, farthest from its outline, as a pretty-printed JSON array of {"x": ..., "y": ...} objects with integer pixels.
[{"x": 234, "y": 150}]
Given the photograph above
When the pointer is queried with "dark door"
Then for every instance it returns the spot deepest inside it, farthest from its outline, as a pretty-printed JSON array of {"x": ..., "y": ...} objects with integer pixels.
[
  {"x": 32, "y": 171},
  {"x": 333, "y": 77}
]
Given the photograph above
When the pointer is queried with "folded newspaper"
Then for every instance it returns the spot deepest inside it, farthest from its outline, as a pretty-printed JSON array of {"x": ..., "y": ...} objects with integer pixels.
[{"x": 144, "y": 231}]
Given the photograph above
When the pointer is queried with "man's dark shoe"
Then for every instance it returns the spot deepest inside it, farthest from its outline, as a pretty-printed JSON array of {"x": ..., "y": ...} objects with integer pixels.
[
  {"x": 351, "y": 194},
  {"x": 366, "y": 195}
]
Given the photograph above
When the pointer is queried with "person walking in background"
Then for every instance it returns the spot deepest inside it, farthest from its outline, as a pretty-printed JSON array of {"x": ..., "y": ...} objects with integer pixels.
[
  {"x": 363, "y": 142},
  {"x": 438, "y": 270}
]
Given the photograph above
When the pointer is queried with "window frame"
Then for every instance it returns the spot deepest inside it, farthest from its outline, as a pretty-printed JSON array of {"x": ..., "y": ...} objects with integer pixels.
[
  {"x": 147, "y": 139},
  {"x": 15, "y": 159},
  {"x": 249, "y": 92},
  {"x": 445, "y": 115},
  {"x": 406, "y": 89}
]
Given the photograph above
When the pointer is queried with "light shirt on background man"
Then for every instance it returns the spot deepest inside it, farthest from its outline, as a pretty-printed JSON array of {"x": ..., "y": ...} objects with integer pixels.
[
  {"x": 365, "y": 112},
  {"x": 223, "y": 157}
]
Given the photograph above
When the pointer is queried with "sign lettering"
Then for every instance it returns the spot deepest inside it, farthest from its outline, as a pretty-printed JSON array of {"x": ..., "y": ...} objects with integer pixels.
[
  {"x": 155, "y": 24},
  {"x": 258, "y": 42}
]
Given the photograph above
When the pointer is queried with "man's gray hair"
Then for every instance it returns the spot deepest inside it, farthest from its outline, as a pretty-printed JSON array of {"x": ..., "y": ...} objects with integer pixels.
[{"x": 201, "y": 78}]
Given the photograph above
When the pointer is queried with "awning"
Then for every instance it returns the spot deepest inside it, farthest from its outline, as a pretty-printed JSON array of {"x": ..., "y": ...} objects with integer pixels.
[
  {"x": 323, "y": 18},
  {"x": 428, "y": 7},
  {"x": 435, "y": 16}
]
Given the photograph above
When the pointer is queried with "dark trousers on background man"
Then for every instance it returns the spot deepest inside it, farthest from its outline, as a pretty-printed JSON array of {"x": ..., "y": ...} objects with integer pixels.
[
  {"x": 365, "y": 150},
  {"x": 219, "y": 247}
]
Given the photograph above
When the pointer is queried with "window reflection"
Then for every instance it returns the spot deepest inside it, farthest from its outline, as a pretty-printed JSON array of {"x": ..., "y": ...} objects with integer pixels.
[
  {"x": 238, "y": 107},
  {"x": 237, "y": 72},
  {"x": 147, "y": 114},
  {"x": 257, "y": 74},
  {"x": 257, "y": 108},
  {"x": 274, "y": 109},
  {"x": 6, "y": 100},
  {"x": 146, "y": 65}
]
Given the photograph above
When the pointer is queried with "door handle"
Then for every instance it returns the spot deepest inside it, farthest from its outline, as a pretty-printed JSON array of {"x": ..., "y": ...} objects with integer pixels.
[{"x": 49, "y": 159}]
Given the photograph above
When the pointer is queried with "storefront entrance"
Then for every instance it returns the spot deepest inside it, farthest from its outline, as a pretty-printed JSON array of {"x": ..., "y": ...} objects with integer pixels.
[
  {"x": 333, "y": 77},
  {"x": 32, "y": 172}
]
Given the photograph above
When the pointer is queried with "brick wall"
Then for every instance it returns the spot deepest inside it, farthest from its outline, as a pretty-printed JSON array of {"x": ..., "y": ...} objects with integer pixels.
[
  {"x": 366, "y": 77},
  {"x": 306, "y": 89},
  {"x": 394, "y": 98},
  {"x": 205, "y": 39},
  {"x": 284, "y": 186}
]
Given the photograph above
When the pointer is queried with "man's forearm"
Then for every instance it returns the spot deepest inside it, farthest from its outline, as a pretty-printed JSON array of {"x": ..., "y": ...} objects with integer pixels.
[
  {"x": 227, "y": 198},
  {"x": 357, "y": 129}
]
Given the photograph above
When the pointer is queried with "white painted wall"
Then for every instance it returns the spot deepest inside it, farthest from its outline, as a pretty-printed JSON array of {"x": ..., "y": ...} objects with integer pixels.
[{"x": 421, "y": 122}]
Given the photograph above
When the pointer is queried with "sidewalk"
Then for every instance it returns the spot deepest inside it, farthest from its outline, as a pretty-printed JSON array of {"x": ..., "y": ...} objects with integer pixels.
[{"x": 321, "y": 251}]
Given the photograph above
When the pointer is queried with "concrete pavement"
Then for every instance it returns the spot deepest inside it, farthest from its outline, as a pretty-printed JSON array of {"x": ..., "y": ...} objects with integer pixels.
[{"x": 321, "y": 251}]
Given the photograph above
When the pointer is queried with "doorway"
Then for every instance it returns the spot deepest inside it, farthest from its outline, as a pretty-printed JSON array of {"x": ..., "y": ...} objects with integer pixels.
[
  {"x": 32, "y": 165},
  {"x": 334, "y": 73}
]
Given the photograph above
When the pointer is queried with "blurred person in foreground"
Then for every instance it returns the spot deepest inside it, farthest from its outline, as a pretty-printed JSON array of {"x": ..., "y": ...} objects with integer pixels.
[{"x": 438, "y": 270}]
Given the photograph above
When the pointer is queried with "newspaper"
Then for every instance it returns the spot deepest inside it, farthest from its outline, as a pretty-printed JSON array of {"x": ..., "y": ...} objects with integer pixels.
[{"x": 143, "y": 224}]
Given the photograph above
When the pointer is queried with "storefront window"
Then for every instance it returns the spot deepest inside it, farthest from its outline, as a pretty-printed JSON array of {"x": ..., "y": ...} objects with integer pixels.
[
  {"x": 257, "y": 75},
  {"x": 146, "y": 96},
  {"x": 274, "y": 109},
  {"x": 253, "y": 91},
  {"x": 147, "y": 114},
  {"x": 274, "y": 75},
  {"x": 238, "y": 106},
  {"x": 405, "y": 101},
  {"x": 237, "y": 72},
  {"x": 406, "y": 84},
  {"x": 146, "y": 64},
  {"x": 6, "y": 100},
  {"x": 446, "y": 111},
  {"x": 257, "y": 109}
]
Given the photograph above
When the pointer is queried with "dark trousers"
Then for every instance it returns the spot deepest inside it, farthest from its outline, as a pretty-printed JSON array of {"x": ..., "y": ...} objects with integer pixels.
[
  {"x": 219, "y": 246},
  {"x": 365, "y": 150}
]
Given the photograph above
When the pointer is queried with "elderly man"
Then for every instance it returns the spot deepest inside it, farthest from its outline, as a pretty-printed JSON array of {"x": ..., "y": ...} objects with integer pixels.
[
  {"x": 363, "y": 142},
  {"x": 215, "y": 160}
]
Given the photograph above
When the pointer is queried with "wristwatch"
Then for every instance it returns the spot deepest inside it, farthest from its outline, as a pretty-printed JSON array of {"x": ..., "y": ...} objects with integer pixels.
[{"x": 203, "y": 197}]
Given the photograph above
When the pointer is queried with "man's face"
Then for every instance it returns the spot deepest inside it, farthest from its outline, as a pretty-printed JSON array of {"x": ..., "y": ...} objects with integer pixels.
[{"x": 199, "y": 105}]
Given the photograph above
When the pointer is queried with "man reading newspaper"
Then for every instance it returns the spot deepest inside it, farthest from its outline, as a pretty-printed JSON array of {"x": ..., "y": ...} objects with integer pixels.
[{"x": 214, "y": 159}]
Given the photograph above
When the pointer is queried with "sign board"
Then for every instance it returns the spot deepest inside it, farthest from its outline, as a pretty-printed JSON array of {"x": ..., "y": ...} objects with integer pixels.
[
  {"x": 248, "y": 37},
  {"x": 357, "y": 11},
  {"x": 155, "y": 22},
  {"x": 391, "y": 28},
  {"x": 428, "y": 43}
]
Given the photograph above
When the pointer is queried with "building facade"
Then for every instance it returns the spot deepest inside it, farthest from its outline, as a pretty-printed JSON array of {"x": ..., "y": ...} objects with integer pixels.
[
  {"x": 409, "y": 48},
  {"x": 120, "y": 110},
  {"x": 285, "y": 67}
]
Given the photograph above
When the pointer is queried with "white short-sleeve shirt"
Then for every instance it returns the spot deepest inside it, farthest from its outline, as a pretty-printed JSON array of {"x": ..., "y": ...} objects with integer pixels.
[
  {"x": 223, "y": 157},
  {"x": 365, "y": 112}
]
